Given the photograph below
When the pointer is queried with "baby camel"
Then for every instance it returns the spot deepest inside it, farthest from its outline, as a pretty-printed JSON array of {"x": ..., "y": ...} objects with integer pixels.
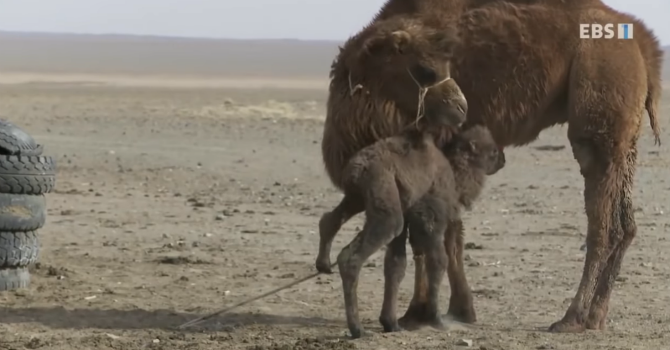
[{"x": 418, "y": 177}]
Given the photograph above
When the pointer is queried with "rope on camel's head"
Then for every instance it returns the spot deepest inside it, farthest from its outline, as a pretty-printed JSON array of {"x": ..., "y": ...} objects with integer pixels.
[
  {"x": 353, "y": 89},
  {"x": 423, "y": 90}
]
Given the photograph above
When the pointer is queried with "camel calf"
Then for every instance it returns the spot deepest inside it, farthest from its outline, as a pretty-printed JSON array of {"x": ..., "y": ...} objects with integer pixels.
[{"x": 419, "y": 176}]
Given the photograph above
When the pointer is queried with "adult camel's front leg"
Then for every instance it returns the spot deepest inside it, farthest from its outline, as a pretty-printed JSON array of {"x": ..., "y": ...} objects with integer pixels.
[{"x": 461, "y": 306}]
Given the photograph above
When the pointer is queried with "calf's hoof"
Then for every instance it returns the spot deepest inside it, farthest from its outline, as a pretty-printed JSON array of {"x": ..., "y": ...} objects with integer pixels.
[
  {"x": 358, "y": 332},
  {"x": 323, "y": 265},
  {"x": 390, "y": 326}
]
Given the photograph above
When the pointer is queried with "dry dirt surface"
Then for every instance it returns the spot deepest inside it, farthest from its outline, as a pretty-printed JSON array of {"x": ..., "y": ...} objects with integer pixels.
[
  {"x": 172, "y": 203},
  {"x": 177, "y": 197}
]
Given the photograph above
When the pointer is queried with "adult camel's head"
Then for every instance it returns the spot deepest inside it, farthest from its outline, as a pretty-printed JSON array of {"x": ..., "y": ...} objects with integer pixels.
[
  {"x": 378, "y": 87},
  {"x": 403, "y": 61}
]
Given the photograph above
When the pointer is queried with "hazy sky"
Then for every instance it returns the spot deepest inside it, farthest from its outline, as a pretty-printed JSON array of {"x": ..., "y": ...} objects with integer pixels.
[{"x": 303, "y": 19}]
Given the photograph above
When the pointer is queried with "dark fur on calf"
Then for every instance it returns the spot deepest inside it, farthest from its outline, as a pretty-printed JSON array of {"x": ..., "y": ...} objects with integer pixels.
[{"x": 407, "y": 176}]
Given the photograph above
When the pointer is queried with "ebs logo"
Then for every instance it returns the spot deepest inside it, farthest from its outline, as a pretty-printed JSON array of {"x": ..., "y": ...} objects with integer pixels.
[{"x": 599, "y": 31}]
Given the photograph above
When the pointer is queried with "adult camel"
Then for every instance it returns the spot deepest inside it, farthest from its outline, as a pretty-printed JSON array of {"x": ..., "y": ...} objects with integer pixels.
[{"x": 525, "y": 65}]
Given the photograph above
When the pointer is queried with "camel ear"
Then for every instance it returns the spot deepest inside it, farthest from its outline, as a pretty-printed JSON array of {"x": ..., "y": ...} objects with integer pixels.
[
  {"x": 374, "y": 45},
  {"x": 398, "y": 39},
  {"x": 401, "y": 40}
]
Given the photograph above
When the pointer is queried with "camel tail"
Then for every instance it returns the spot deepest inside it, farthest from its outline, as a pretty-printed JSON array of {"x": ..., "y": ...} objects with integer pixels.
[
  {"x": 653, "y": 57},
  {"x": 651, "y": 105}
]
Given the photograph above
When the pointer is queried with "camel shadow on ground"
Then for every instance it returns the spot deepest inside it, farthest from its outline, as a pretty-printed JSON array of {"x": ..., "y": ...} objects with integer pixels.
[{"x": 61, "y": 318}]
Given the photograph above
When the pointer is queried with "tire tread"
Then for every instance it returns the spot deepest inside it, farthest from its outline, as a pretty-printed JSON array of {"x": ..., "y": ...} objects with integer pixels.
[
  {"x": 27, "y": 174},
  {"x": 18, "y": 249}
]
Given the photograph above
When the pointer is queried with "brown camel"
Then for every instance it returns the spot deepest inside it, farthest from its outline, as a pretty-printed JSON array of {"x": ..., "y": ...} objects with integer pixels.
[
  {"x": 419, "y": 174},
  {"x": 394, "y": 70},
  {"x": 524, "y": 64},
  {"x": 373, "y": 89}
]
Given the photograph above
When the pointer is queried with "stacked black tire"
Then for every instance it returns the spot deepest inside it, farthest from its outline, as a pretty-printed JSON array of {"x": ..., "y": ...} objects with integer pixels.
[{"x": 25, "y": 176}]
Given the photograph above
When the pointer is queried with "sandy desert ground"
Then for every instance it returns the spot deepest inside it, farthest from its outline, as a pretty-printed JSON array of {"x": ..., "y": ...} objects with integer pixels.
[{"x": 180, "y": 194}]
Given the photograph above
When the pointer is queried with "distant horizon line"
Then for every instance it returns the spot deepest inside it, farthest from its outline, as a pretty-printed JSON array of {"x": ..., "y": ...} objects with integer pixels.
[
  {"x": 182, "y": 37},
  {"x": 185, "y": 37}
]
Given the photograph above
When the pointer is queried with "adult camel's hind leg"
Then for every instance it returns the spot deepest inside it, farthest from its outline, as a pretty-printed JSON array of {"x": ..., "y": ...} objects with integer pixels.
[
  {"x": 330, "y": 224},
  {"x": 623, "y": 221},
  {"x": 600, "y": 181},
  {"x": 461, "y": 305},
  {"x": 606, "y": 101}
]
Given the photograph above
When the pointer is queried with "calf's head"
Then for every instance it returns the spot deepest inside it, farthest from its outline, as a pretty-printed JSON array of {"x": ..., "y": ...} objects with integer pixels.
[{"x": 477, "y": 146}]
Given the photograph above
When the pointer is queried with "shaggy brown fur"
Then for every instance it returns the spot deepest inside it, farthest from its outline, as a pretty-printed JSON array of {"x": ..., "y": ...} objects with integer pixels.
[
  {"x": 373, "y": 90},
  {"x": 524, "y": 64},
  {"x": 408, "y": 174}
]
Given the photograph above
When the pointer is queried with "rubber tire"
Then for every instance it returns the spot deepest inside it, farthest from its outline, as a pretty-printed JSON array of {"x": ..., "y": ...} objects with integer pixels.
[
  {"x": 18, "y": 249},
  {"x": 14, "y": 278},
  {"x": 14, "y": 141},
  {"x": 21, "y": 213},
  {"x": 27, "y": 174}
]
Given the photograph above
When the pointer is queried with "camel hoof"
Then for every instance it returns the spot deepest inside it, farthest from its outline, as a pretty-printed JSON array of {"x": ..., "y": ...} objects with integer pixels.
[
  {"x": 358, "y": 333},
  {"x": 566, "y": 327},
  {"x": 596, "y": 324},
  {"x": 324, "y": 266},
  {"x": 410, "y": 323},
  {"x": 418, "y": 317},
  {"x": 437, "y": 323},
  {"x": 467, "y": 316},
  {"x": 390, "y": 325},
  {"x": 392, "y": 328}
]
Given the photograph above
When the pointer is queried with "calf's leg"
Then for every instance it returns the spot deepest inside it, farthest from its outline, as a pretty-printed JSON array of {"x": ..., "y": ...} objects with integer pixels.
[
  {"x": 430, "y": 264},
  {"x": 461, "y": 305},
  {"x": 330, "y": 224},
  {"x": 395, "y": 263},
  {"x": 384, "y": 222}
]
